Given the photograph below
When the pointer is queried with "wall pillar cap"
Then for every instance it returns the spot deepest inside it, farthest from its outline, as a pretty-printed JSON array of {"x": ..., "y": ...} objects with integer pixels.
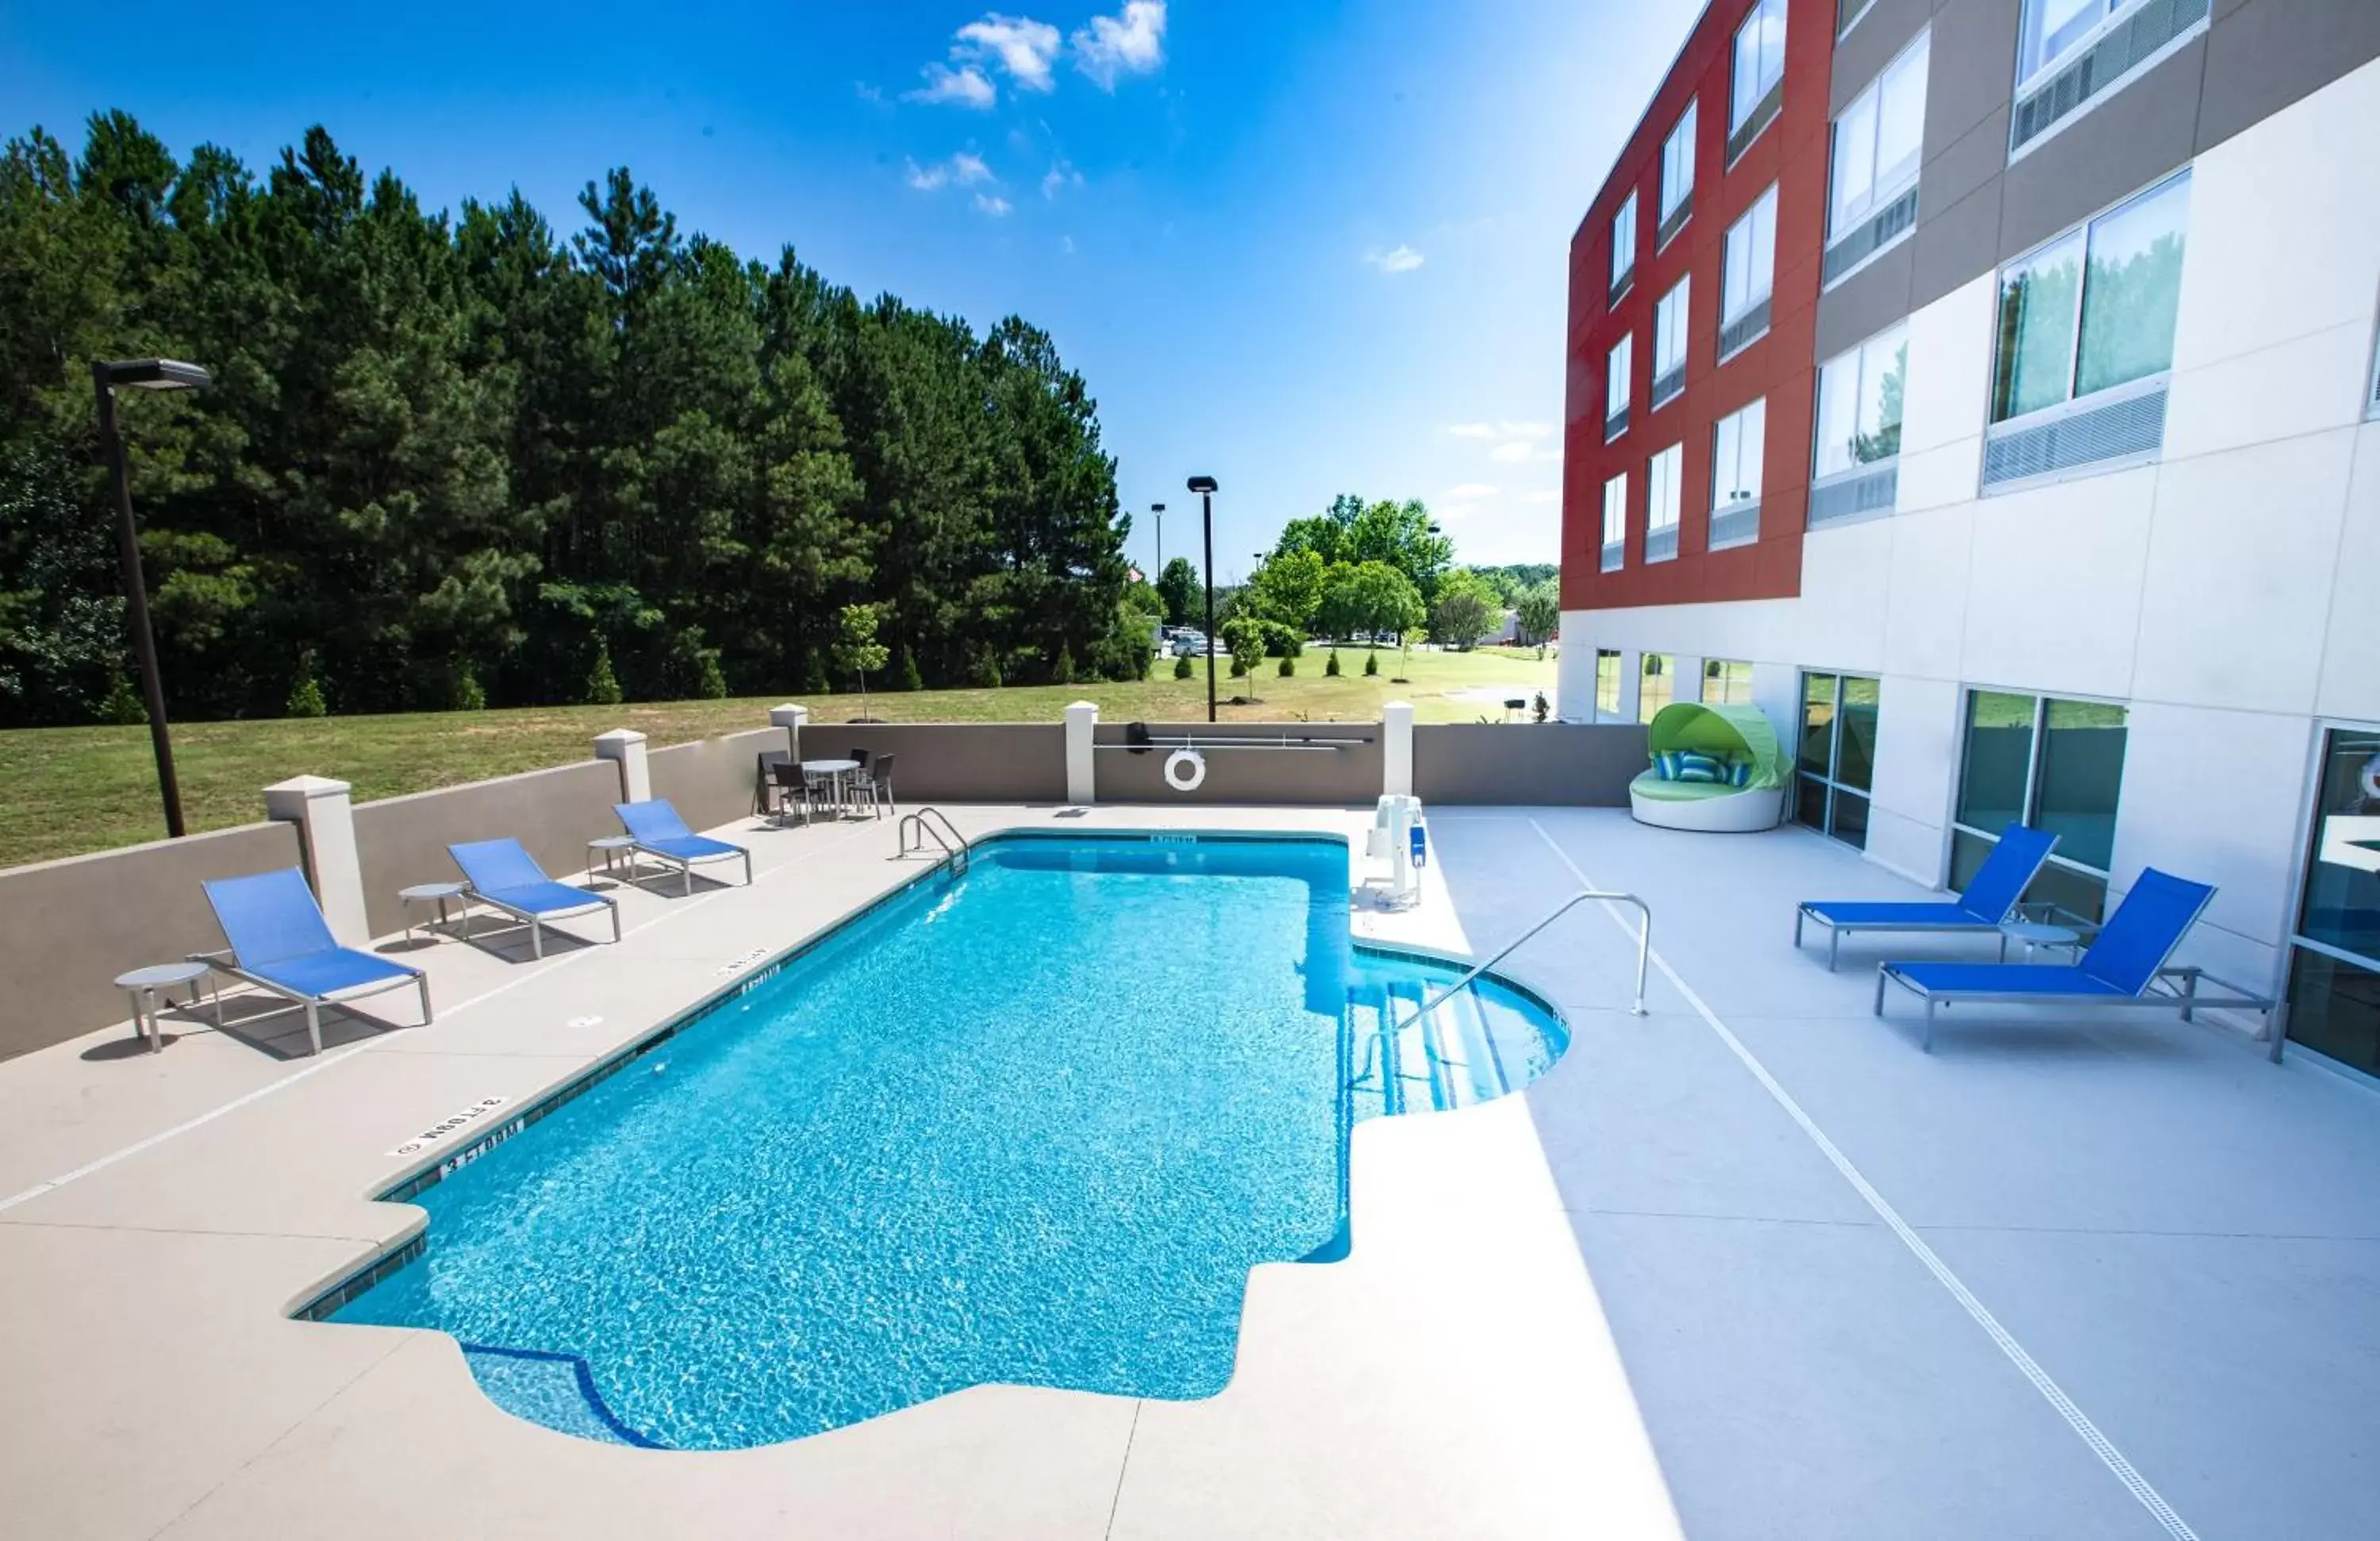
[
  {"x": 620, "y": 735},
  {"x": 310, "y": 787},
  {"x": 780, "y": 716}
]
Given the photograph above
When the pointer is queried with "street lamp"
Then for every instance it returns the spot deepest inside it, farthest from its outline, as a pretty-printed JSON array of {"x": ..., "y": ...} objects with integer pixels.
[
  {"x": 147, "y": 374},
  {"x": 1158, "y": 509},
  {"x": 1205, "y": 487}
]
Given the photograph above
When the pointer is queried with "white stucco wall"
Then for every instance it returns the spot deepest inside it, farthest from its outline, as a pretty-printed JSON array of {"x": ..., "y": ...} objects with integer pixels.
[{"x": 2224, "y": 593}]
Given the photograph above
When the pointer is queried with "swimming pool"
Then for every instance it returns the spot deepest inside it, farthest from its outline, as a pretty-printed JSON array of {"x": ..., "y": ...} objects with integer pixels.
[{"x": 1030, "y": 1124}]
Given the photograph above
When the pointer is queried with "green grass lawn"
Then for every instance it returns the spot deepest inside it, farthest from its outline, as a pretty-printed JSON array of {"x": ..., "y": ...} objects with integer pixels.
[{"x": 64, "y": 791}]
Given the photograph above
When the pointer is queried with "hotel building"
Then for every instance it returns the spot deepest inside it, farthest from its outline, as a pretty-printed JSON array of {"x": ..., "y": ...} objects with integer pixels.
[{"x": 1986, "y": 390}]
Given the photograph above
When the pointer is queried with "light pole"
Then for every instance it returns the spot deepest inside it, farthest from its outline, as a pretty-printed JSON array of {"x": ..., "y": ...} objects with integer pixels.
[
  {"x": 1205, "y": 487},
  {"x": 1157, "y": 511},
  {"x": 147, "y": 374}
]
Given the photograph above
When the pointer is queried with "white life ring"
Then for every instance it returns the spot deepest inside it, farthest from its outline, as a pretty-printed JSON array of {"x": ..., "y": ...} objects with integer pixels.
[
  {"x": 1186, "y": 770},
  {"x": 2370, "y": 778}
]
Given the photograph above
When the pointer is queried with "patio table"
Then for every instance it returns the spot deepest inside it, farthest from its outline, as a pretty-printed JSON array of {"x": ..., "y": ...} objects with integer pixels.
[
  {"x": 145, "y": 985},
  {"x": 835, "y": 771}
]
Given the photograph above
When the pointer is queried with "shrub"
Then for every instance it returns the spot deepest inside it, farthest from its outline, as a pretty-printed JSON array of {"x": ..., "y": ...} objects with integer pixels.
[
  {"x": 469, "y": 696},
  {"x": 983, "y": 670},
  {"x": 1330, "y": 666},
  {"x": 123, "y": 706},
  {"x": 1181, "y": 669},
  {"x": 1062, "y": 672},
  {"x": 1288, "y": 667},
  {"x": 602, "y": 685},
  {"x": 306, "y": 695},
  {"x": 1239, "y": 667},
  {"x": 909, "y": 679},
  {"x": 1541, "y": 709},
  {"x": 1371, "y": 664},
  {"x": 709, "y": 679}
]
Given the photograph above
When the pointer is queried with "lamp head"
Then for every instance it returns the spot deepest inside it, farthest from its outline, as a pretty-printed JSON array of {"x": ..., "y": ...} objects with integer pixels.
[
  {"x": 1157, "y": 508},
  {"x": 1202, "y": 484},
  {"x": 156, "y": 374}
]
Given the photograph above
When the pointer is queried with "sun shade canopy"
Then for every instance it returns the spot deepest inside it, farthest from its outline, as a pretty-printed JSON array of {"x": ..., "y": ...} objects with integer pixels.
[{"x": 1722, "y": 730}]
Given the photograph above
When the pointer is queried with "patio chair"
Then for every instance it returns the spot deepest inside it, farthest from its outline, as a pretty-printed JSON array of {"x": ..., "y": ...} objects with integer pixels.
[
  {"x": 767, "y": 784},
  {"x": 872, "y": 783},
  {"x": 503, "y": 876},
  {"x": 790, "y": 786},
  {"x": 660, "y": 833},
  {"x": 1991, "y": 897},
  {"x": 2122, "y": 968},
  {"x": 281, "y": 944}
]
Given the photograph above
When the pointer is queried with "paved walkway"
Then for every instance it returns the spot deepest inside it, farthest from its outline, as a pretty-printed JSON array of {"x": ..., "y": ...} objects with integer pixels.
[{"x": 2049, "y": 1281}]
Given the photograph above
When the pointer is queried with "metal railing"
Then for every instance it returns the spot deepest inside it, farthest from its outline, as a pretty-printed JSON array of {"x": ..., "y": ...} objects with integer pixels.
[
  {"x": 1643, "y": 955},
  {"x": 955, "y": 846}
]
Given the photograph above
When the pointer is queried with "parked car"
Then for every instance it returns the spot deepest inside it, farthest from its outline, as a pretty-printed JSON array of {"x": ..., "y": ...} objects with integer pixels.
[{"x": 1188, "y": 643}]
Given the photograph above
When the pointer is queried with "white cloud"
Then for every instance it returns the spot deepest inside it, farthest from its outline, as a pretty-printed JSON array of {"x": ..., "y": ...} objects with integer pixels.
[
  {"x": 1020, "y": 45},
  {"x": 1473, "y": 431},
  {"x": 963, "y": 87},
  {"x": 1513, "y": 452},
  {"x": 1130, "y": 42},
  {"x": 965, "y": 168},
  {"x": 990, "y": 203},
  {"x": 1403, "y": 259},
  {"x": 1061, "y": 176},
  {"x": 1066, "y": 245},
  {"x": 1470, "y": 491},
  {"x": 1541, "y": 496}
]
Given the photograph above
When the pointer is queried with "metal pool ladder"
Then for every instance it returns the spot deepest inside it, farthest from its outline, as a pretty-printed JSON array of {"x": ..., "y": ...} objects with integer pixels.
[
  {"x": 1643, "y": 955},
  {"x": 915, "y": 826}
]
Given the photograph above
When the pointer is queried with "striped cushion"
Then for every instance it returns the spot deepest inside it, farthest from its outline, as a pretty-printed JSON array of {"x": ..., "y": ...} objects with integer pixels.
[
  {"x": 1692, "y": 767},
  {"x": 1666, "y": 764},
  {"x": 1739, "y": 771}
]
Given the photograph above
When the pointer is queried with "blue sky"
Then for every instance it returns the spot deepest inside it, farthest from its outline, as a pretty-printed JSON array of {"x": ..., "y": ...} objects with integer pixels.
[{"x": 1307, "y": 248}]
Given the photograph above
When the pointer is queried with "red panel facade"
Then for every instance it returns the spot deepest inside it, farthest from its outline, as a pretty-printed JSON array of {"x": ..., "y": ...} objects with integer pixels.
[{"x": 1792, "y": 152}]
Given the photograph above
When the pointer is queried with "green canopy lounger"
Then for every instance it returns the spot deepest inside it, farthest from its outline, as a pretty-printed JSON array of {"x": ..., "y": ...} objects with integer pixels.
[{"x": 1732, "y": 735}]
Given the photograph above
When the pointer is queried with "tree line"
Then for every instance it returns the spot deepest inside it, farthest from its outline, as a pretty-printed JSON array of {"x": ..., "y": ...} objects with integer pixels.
[
  {"x": 1374, "y": 569},
  {"x": 468, "y": 461}
]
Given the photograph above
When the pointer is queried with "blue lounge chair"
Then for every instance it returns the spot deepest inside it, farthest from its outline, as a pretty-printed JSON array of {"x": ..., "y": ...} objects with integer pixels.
[
  {"x": 2123, "y": 965},
  {"x": 1990, "y": 899},
  {"x": 280, "y": 944},
  {"x": 505, "y": 876},
  {"x": 660, "y": 833}
]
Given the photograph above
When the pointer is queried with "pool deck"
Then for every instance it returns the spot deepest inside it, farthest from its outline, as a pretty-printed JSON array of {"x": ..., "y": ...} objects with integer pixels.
[{"x": 1751, "y": 1266}]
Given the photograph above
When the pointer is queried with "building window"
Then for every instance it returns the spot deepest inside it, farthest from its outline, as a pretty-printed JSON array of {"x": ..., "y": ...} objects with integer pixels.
[
  {"x": 1848, "y": 14},
  {"x": 2055, "y": 765},
  {"x": 1727, "y": 682},
  {"x": 2334, "y": 991},
  {"x": 1669, "y": 344},
  {"x": 1878, "y": 141},
  {"x": 1624, "y": 246},
  {"x": 1615, "y": 387},
  {"x": 1757, "y": 88},
  {"x": 1677, "y": 178},
  {"x": 1856, "y": 469},
  {"x": 1747, "y": 277},
  {"x": 1655, "y": 681},
  {"x": 1607, "y": 682},
  {"x": 2085, "y": 341},
  {"x": 1615, "y": 522},
  {"x": 1737, "y": 441},
  {"x": 1662, "y": 487},
  {"x": 2070, "y": 54},
  {"x": 1835, "y": 759}
]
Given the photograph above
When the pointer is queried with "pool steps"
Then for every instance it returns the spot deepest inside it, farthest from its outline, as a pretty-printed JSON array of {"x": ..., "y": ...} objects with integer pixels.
[{"x": 1451, "y": 1057}]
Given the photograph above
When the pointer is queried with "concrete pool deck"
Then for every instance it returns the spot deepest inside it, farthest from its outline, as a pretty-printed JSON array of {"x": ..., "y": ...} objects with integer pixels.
[{"x": 1752, "y": 1266}]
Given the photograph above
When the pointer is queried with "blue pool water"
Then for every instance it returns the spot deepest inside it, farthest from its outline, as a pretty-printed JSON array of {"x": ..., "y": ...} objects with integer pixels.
[{"x": 1033, "y": 1124}]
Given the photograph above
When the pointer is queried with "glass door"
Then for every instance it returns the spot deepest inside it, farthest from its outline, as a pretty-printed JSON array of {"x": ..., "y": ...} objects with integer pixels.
[
  {"x": 2334, "y": 994},
  {"x": 1835, "y": 754}
]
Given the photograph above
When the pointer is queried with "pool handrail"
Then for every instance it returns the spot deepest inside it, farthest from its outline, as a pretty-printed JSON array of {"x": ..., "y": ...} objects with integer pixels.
[
  {"x": 1644, "y": 953},
  {"x": 957, "y": 853}
]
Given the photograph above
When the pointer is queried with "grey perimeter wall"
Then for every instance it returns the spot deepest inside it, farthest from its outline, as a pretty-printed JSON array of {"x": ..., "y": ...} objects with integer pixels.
[
  {"x": 1575, "y": 764},
  {"x": 68, "y": 927},
  {"x": 1341, "y": 765}
]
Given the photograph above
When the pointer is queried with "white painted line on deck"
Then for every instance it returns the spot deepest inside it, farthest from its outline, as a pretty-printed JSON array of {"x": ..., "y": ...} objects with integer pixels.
[
  {"x": 2109, "y": 1456},
  {"x": 322, "y": 1063}
]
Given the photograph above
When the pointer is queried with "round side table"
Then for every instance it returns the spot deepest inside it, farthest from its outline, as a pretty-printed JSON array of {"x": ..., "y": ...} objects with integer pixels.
[
  {"x": 436, "y": 894},
  {"x": 2038, "y": 933},
  {"x": 146, "y": 985},
  {"x": 620, "y": 848}
]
